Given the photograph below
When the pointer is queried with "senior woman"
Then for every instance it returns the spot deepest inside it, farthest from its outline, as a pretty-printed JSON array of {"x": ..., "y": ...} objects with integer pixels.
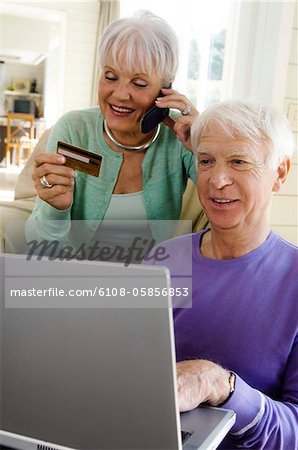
[
  {"x": 237, "y": 343},
  {"x": 142, "y": 176}
]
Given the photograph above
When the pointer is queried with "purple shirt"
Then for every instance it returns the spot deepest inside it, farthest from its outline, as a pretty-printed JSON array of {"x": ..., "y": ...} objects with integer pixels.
[{"x": 244, "y": 316}]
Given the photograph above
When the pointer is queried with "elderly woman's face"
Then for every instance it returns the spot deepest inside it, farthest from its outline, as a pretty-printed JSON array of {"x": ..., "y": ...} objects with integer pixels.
[
  {"x": 125, "y": 96},
  {"x": 234, "y": 182}
]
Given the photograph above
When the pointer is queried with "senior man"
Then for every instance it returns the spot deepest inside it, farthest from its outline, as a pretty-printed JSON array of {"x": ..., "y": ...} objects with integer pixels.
[{"x": 237, "y": 345}]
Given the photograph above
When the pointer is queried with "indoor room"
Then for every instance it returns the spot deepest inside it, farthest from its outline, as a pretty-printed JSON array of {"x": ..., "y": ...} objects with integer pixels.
[
  {"x": 247, "y": 50},
  {"x": 148, "y": 225}
]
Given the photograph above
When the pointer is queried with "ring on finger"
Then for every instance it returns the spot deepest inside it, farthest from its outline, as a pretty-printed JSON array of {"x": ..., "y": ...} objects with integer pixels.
[
  {"x": 186, "y": 110},
  {"x": 44, "y": 182}
]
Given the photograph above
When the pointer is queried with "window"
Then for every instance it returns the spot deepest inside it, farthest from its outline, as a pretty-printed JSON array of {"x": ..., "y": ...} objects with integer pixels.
[{"x": 201, "y": 28}]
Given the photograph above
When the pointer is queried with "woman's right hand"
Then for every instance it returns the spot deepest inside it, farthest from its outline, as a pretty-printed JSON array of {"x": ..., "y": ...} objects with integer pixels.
[{"x": 62, "y": 179}]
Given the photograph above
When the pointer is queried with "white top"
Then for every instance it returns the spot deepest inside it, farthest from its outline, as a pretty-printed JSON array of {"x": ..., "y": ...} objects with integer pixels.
[{"x": 125, "y": 223}]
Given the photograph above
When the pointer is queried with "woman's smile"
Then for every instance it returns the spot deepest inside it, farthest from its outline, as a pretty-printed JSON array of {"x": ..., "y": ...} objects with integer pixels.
[{"x": 121, "y": 110}]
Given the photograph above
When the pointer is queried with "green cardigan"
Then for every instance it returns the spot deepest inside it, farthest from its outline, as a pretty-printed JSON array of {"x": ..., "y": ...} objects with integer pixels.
[{"x": 166, "y": 168}]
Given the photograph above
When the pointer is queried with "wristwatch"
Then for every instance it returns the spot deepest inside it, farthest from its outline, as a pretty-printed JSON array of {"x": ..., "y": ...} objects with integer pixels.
[{"x": 232, "y": 383}]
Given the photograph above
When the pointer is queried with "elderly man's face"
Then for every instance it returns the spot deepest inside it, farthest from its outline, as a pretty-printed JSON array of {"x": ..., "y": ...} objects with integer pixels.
[{"x": 234, "y": 181}]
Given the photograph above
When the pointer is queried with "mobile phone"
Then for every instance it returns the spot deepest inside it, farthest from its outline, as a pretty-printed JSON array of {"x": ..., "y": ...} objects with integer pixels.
[{"x": 153, "y": 117}]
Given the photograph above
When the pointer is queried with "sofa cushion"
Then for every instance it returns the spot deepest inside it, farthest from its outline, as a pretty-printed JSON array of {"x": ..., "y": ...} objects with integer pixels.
[{"x": 24, "y": 187}]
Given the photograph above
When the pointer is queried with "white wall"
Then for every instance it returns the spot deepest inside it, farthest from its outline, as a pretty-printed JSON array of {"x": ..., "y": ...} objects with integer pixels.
[
  {"x": 261, "y": 65},
  {"x": 28, "y": 38},
  {"x": 21, "y": 51},
  {"x": 284, "y": 212},
  {"x": 21, "y": 33},
  {"x": 78, "y": 27},
  {"x": 80, "y": 44}
]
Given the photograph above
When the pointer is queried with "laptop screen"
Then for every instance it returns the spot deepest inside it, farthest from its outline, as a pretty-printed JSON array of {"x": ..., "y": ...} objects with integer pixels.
[
  {"x": 88, "y": 360},
  {"x": 87, "y": 372}
]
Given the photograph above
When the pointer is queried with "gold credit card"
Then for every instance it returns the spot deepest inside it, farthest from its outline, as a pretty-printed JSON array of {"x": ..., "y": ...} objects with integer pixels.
[{"x": 80, "y": 159}]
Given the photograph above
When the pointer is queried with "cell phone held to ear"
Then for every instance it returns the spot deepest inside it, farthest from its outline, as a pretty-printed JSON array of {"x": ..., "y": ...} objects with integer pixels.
[{"x": 153, "y": 117}]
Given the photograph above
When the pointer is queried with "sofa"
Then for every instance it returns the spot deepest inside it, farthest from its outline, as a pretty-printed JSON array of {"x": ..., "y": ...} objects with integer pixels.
[
  {"x": 17, "y": 211},
  {"x": 14, "y": 214}
]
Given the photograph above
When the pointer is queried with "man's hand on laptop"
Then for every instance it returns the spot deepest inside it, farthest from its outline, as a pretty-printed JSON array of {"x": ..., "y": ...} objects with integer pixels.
[{"x": 201, "y": 381}]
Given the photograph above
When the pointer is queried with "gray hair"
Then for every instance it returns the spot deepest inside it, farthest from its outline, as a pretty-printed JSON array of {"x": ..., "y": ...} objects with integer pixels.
[
  {"x": 256, "y": 122},
  {"x": 144, "y": 42}
]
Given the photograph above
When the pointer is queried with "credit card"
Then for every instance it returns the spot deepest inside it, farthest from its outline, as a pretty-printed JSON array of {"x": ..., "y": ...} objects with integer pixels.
[{"x": 80, "y": 159}]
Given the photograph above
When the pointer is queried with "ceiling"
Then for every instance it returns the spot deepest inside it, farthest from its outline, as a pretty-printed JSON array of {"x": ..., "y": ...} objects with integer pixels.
[
  {"x": 27, "y": 33},
  {"x": 22, "y": 56}
]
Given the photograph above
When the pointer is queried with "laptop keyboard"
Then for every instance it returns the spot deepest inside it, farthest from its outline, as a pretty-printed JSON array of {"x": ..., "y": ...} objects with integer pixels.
[{"x": 185, "y": 435}]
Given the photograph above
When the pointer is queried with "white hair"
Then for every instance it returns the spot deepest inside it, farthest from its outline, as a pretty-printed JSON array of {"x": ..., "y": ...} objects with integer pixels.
[
  {"x": 143, "y": 42},
  {"x": 256, "y": 122}
]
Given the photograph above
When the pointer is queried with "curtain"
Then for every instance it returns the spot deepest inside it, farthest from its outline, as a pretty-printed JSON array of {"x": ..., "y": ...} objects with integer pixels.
[{"x": 109, "y": 10}]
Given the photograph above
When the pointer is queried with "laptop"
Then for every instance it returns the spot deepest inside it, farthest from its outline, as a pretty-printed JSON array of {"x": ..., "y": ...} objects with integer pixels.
[{"x": 93, "y": 371}]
